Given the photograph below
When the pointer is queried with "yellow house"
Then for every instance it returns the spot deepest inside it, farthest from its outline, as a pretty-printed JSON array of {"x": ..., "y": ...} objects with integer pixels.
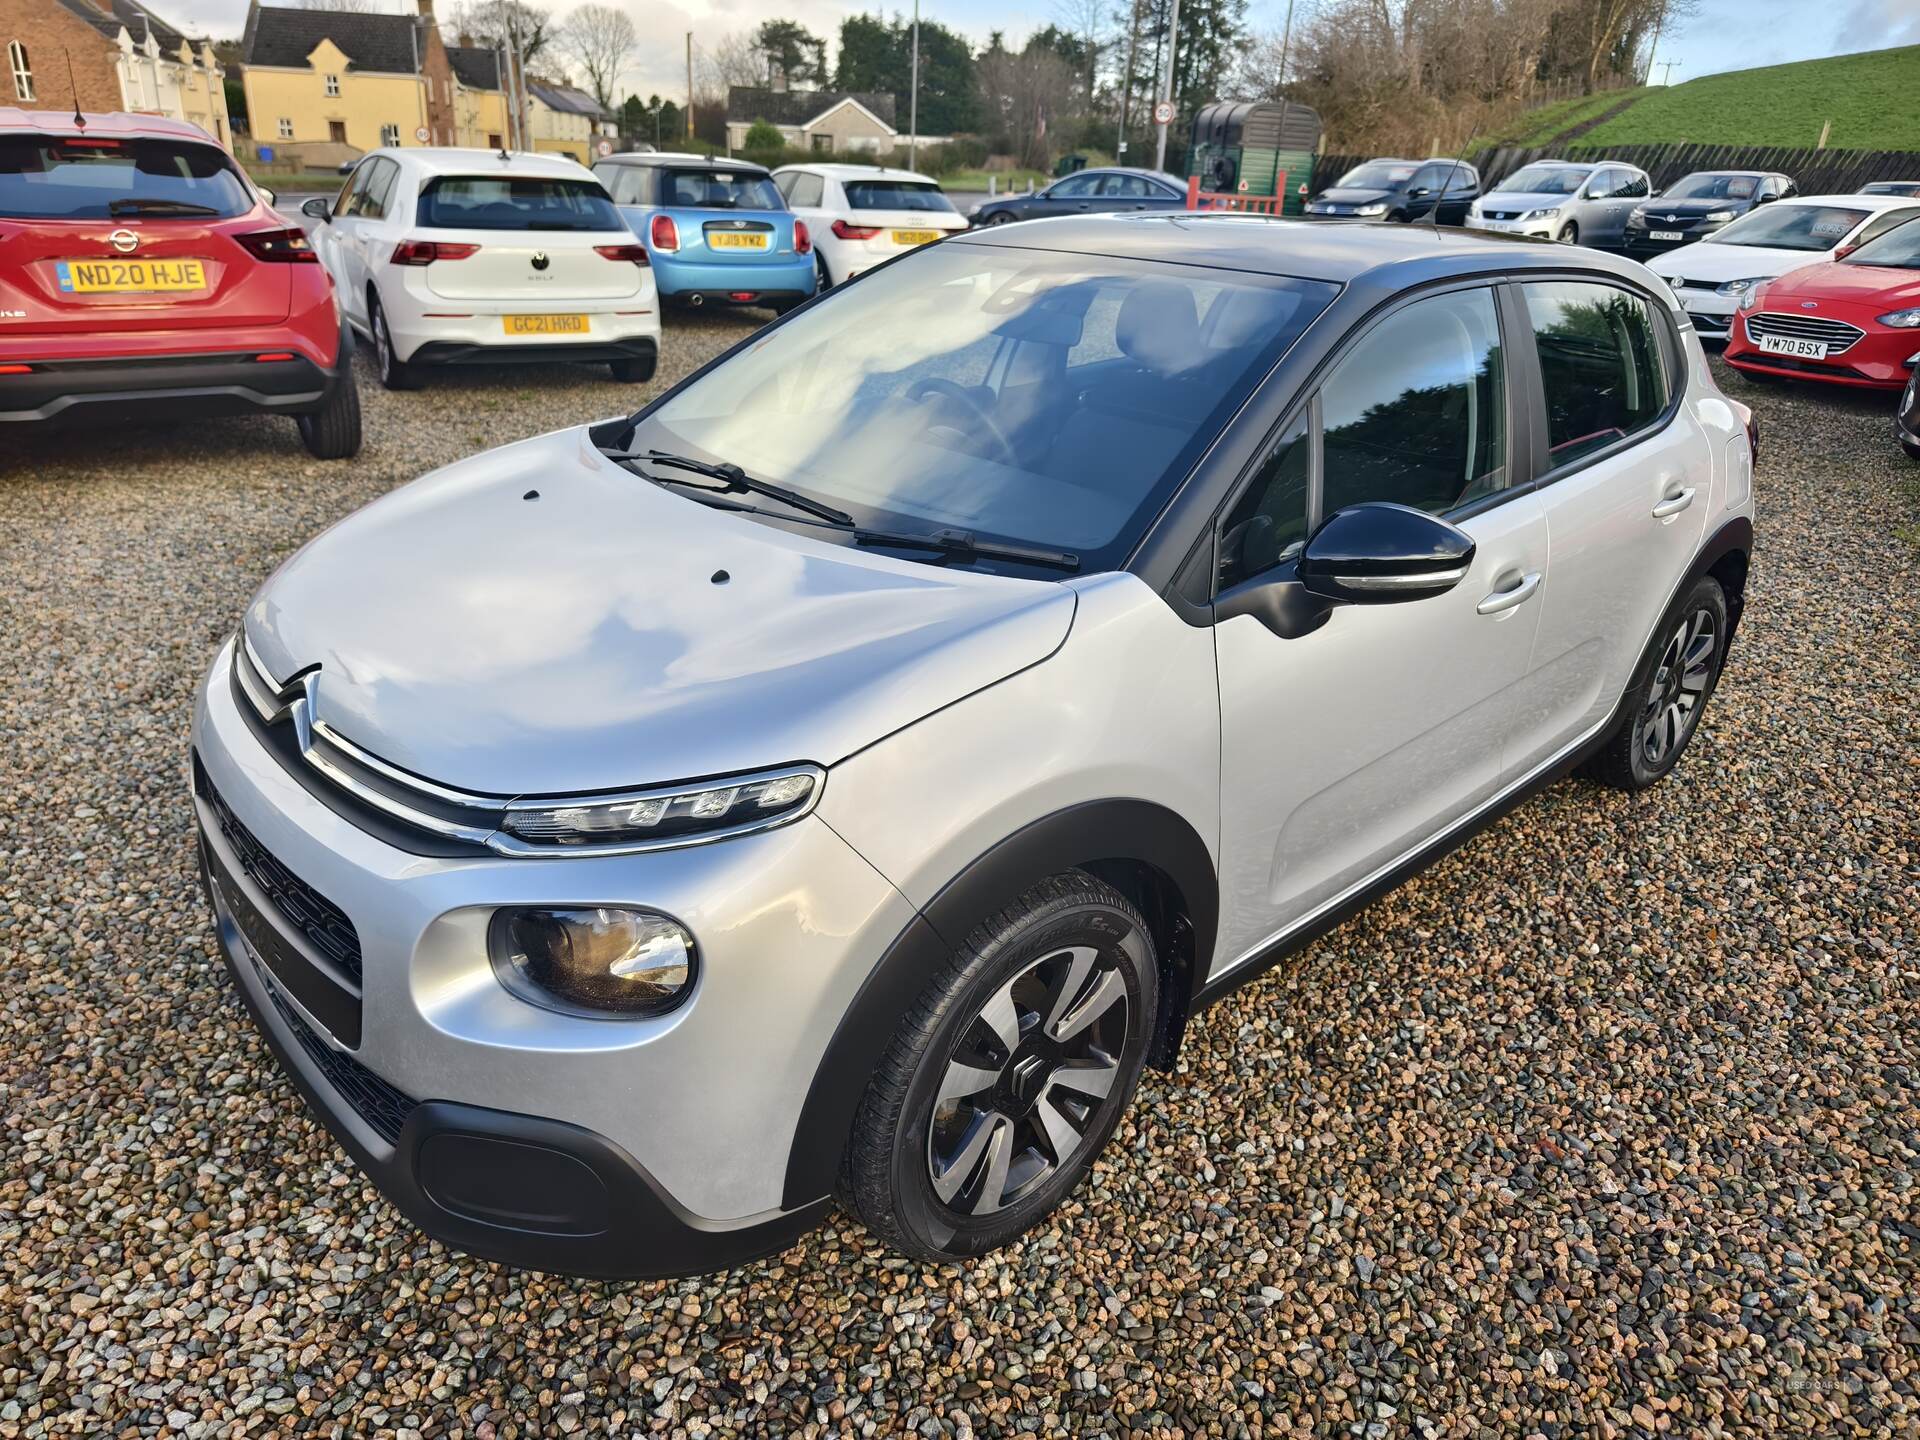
[
  {"x": 565, "y": 121},
  {"x": 330, "y": 84},
  {"x": 479, "y": 103}
]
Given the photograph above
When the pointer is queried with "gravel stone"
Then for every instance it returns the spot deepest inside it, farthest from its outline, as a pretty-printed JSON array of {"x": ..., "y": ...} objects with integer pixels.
[{"x": 1605, "y": 1126}]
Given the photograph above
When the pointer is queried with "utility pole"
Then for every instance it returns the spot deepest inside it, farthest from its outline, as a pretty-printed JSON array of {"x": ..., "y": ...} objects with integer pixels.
[
  {"x": 1173, "y": 43},
  {"x": 1666, "y": 67},
  {"x": 913, "y": 103},
  {"x": 689, "y": 89},
  {"x": 1126, "y": 84}
]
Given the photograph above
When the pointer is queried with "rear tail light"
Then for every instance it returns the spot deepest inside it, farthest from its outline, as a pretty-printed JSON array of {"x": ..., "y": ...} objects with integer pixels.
[
  {"x": 854, "y": 232},
  {"x": 664, "y": 233},
  {"x": 273, "y": 356},
  {"x": 637, "y": 254},
  {"x": 425, "y": 252},
  {"x": 284, "y": 247},
  {"x": 16, "y": 369},
  {"x": 802, "y": 241}
]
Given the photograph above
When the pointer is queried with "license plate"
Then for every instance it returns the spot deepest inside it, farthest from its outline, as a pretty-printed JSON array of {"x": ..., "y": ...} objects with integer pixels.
[
  {"x": 130, "y": 277},
  {"x": 1665, "y": 235},
  {"x": 735, "y": 240},
  {"x": 545, "y": 324},
  {"x": 915, "y": 237},
  {"x": 1783, "y": 345}
]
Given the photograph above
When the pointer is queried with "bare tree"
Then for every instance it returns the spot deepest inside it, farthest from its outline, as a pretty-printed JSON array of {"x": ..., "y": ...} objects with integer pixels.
[
  {"x": 600, "y": 40},
  {"x": 518, "y": 26}
]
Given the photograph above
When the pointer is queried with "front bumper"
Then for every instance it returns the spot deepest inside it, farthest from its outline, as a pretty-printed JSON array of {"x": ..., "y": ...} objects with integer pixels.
[
  {"x": 1529, "y": 229},
  {"x": 1880, "y": 359},
  {"x": 165, "y": 387},
  {"x": 778, "y": 277},
  {"x": 594, "y": 1147}
]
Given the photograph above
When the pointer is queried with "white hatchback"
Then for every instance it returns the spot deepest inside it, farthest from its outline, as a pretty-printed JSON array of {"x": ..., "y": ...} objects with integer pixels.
[
  {"x": 455, "y": 257},
  {"x": 862, "y": 215}
]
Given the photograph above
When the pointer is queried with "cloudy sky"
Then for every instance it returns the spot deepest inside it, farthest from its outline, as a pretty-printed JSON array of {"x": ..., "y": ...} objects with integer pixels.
[{"x": 1725, "y": 35}]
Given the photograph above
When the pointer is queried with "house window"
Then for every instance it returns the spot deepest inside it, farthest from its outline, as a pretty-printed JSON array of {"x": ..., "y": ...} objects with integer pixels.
[
  {"x": 333, "y": 85},
  {"x": 822, "y": 144},
  {"x": 389, "y": 135},
  {"x": 493, "y": 140},
  {"x": 286, "y": 128},
  {"x": 22, "y": 71}
]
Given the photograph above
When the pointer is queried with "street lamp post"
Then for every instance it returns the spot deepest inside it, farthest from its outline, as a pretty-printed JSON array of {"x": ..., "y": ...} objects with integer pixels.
[
  {"x": 1173, "y": 40},
  {"x": 913, "y": 102}
]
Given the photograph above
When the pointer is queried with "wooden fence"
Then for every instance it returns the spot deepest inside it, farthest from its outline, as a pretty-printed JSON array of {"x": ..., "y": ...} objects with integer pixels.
[{"x": 1815, "y": 172}]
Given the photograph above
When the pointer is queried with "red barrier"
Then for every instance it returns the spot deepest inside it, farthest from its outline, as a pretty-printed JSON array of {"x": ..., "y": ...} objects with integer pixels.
[{"x": 1274, "y": 204}]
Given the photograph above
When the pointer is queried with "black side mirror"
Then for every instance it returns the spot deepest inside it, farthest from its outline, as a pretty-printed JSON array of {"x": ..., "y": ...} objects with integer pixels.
[
  {"x": 1382, "y": 554},
  {"x": 1418, "y": 192},
  {"x": 318, "y": 207},
  {"x": 1764, "y": 199}
]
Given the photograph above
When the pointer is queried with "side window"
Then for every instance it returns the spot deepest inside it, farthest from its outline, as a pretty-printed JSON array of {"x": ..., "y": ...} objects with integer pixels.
[
  {"x": 1880, "y": 224},
  {"x": 1268, "y": 524},
  {"x": 1417, "y": 412},
  {"x": 380, "y": 190},
  {"x": 350, "y": 193},
  {"x": 1432, "y": 177},
  {"x": 1599, "y": 365},
  {"x": 807, "y": 190},
  {"x": 1075, "y": 187},
  {"x": 783, "y": 182},
  {"x": 1604, "y": 182},
  {"x": 1635, "y": 186}
]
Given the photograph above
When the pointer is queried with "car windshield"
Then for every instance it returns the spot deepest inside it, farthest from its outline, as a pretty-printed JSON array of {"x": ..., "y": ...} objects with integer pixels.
[
  {"x": 500, "y": 202},
  {"x": 1024, "y": 396},
  {"x": 1791, "y": 227},
  {"x": 85, "y": 177},
  {"x": 1543, "y": 180},
  {"x": 1897, "y": 249},
  {"x": 896, "y": 195},
  {"x": 719, "y": 190},
  {"x": 1375, "y": 175},
  {"x": 1712, "y": 187}
]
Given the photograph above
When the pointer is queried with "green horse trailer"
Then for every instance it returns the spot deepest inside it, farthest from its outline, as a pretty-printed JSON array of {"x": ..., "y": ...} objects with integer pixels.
[{"x": 1255, "y": 148}]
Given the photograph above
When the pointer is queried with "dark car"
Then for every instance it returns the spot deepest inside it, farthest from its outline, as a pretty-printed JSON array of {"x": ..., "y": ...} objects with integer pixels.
[
  {"x": 1696, "y": 205},
  {"x": 1087, "y": 192},
  {"x": 1388, "y": 189},
  {"x": 1906, "y": 420},
  {"x": 1891, "y": 187}
]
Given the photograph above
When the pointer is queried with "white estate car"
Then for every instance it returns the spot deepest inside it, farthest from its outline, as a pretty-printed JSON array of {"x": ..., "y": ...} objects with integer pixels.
[
  {"x": 862, "y": 215},
  {"x": 459, "y": 257},
  {"x": 1711, "y": 277}
]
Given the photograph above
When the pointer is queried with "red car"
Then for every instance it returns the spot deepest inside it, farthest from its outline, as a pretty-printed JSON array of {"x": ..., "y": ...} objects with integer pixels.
[
  {"x": 141, "y": 272},
  {"x": 1853, "y": 321}
]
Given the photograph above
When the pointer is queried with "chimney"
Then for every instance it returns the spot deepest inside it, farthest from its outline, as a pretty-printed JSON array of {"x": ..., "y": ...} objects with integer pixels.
[{"x": 426, "y": 9}]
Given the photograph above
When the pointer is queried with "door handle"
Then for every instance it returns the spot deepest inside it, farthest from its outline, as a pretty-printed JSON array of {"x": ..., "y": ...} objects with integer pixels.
[
  {"x": 1501, "y": 601},
  {"x": 1673, "y": 504}
]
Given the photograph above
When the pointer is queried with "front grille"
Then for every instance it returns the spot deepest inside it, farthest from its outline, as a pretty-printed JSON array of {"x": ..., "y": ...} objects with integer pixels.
[
  {"x": 323, "y": 923},
  {"x": 1502, "y": 214},
  {"x": 1837, "y": 334},
  {"x": 1719, "y": 324},
  {"x": 1684, "y": 284},
  {"x": 384, "y": 1108}
]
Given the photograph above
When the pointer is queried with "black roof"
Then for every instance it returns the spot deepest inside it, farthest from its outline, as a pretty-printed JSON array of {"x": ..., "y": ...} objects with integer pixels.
[
  {"x": 566, "y": 98},
  {"x": 108, "y": 16},
  {"x": 1398, "y": 255},
  {"x": 475, "y": 66},
  {"x": 279, "y": 36},
  {"x": 797, "y": 107},
  {"x": 668, "y": 159}
]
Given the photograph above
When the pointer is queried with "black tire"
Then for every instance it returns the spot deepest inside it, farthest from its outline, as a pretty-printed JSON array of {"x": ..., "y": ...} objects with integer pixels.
[
  {"x": 1002, "y": 217},
  {"x": 333, "y": 431},
  {"x": 1650, "y": 738},
  {"x": 824, "y": 280},
  {"x": 1031, "y": 951},
  {"x": 634, "y": 372},
  {"x": 1569, "y": 234},
  {"x": 1912, "y": 447},
  {"x": 394, "y": 373}
]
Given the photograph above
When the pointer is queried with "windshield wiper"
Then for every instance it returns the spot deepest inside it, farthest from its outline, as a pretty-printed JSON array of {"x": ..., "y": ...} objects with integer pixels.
[
  {"x": 734, "y": 480},
  {"x": 139, "y": 205},
  {"x": 962, "y": 542}
]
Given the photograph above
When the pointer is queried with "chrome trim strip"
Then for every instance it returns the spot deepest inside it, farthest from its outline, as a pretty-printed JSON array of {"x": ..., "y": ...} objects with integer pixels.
[
  {"x": 1404, "y": 856},
  {"x": 367, "y": 795},
  {"x": 1401, "y": 582},
  {"x": 492, "y": 803}
]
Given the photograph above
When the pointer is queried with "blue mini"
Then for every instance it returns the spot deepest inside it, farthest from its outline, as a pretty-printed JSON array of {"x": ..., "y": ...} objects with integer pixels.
[{"x": 717, "y": 231}]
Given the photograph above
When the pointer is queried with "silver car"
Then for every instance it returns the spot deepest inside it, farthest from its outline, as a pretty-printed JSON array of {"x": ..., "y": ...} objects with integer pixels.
[
  {"x": 839, "y": 779},
  {"x": 1572, "y": 202}
]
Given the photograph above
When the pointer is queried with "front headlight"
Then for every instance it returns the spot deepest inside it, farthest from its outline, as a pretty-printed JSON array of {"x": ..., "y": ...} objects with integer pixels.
[
  {"x": 604, "y": 963},
  {"x": 1734, "y": 289},
  {"x": 1546, "y": 214},
  {"x": 1638, "y": 217},
  {"x": 1377, "y": 208},
  {"x": 1901, "y": 319},
  {"x": 1751, "y": 300},
  {"x": 1717, "y": 217},
  {"x": 657, "y": 819}
]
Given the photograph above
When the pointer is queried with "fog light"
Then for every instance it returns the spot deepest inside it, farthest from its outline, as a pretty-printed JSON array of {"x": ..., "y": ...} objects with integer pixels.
[{"x": 603, "y": 963}]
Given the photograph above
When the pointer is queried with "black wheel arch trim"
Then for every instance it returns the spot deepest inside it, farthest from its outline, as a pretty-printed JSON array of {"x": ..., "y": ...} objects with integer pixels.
[{"x": 1083, "y": 836}]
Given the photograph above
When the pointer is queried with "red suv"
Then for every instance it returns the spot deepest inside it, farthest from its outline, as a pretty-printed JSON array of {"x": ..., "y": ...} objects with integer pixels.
[{"x": 142, "y": 272}]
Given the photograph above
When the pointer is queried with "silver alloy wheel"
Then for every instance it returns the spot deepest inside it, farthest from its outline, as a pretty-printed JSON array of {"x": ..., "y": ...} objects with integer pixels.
[
  {"x": 1679, "y": 685},
  {"x": 1027, "y": 1079},
  {"x": 382, "y": 342}
]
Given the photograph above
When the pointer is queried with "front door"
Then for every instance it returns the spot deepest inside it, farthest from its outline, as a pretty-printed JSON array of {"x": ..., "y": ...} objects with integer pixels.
[
  {"x": 1343, "y": 749},
  {"x": 337, "y": 131},
  {"x": 1626, "y": 485}
]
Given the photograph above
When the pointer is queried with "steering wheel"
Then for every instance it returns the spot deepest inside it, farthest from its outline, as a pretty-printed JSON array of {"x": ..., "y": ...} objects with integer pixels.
[{"x": 926, "y": 389}]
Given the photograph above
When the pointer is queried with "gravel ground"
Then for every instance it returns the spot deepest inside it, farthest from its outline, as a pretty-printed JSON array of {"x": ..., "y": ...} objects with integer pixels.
[{"x": 1605, "y": 1126}]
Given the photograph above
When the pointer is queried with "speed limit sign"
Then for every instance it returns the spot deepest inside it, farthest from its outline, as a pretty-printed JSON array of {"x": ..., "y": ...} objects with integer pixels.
[
  {"x": 605, "y": 147},
  {"x": 421, "y": 134},
  {"x": 1163, "y": 113}
]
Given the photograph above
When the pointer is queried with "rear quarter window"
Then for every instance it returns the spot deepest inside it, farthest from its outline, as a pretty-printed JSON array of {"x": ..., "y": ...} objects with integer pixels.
[
  {"x": 1600, "y": 365},
  {"x": 47, "y": 177}
]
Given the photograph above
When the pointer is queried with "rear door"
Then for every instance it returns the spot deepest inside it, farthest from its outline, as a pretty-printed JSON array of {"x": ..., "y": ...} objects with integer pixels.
[
  {"x": 359, "y": 226},
  {"x": 1625, "y": 479},
  {"x": 112, "y": 234}
]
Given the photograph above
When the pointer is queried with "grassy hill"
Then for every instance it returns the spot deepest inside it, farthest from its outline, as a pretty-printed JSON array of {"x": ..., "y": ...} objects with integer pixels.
[{"x": 1873, "y": 100}]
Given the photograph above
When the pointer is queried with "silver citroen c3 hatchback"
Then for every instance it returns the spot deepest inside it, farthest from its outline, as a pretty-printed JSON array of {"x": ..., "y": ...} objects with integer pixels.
[{"x": 841, "y": 777}]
